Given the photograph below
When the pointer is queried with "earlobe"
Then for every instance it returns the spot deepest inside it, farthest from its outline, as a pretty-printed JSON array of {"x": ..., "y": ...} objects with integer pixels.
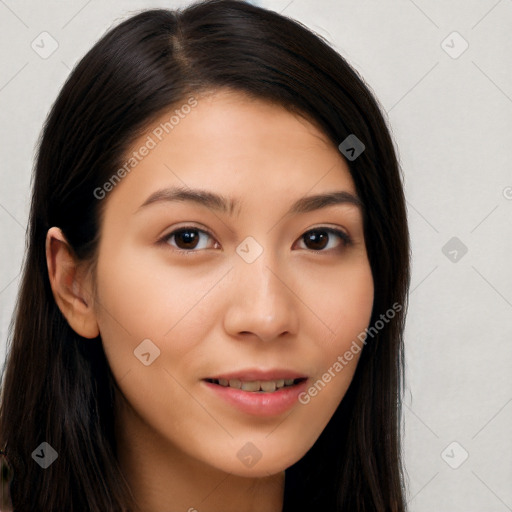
[{"x": 69, "y": 286}]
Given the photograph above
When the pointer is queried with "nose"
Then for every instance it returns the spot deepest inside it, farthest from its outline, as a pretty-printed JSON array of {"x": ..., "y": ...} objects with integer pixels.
[{"x": 262, "y": 301}]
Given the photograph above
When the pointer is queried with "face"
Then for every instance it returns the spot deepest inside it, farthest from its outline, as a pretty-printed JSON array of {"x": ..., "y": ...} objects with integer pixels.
[{"x": 224, "y": 292}]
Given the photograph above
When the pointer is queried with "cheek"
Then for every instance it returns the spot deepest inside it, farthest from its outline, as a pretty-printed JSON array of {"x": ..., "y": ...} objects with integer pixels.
[
  {"x": 141, "y": 297},
  {"x": 345, "y": 303},
  {"x": 347, "y": 307}
]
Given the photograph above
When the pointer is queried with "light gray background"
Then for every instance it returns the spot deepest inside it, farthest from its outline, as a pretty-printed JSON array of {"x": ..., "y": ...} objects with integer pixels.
[{"x": 452, "y": 121}]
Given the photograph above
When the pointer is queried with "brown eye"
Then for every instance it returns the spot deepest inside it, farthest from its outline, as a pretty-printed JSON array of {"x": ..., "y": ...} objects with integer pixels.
[
  {"x": 189, "y": 238},
  {"x": 319, "y": 239},
  {"x": 316, "y": 240}
]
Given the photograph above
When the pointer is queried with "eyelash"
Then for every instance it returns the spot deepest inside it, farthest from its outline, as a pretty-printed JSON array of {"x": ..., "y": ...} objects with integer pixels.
[{"x": 344, "y": 237}]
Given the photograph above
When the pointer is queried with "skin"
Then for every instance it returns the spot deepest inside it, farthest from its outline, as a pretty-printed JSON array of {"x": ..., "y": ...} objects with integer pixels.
[{"x": 211, "y": 312}]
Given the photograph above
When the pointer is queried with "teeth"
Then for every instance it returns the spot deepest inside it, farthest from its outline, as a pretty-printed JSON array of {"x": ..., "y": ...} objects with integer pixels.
[
  {"x": 251, "y": 386},
  {"x": 235, "y": 383},
  {"x": 266, "y": 386}
]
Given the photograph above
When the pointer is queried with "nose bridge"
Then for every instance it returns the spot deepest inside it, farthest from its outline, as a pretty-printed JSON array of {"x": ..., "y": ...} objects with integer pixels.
[{"x": 261, "y": 302}]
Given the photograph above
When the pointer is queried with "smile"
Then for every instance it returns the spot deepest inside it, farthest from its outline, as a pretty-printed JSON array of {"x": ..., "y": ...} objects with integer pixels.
[
  {"x": 256, "y": 386},
  {"x": 258, "y": 393}
]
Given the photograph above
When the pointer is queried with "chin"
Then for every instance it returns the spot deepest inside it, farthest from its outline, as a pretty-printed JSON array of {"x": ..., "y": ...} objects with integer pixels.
[{"x": 249, "y": 461}]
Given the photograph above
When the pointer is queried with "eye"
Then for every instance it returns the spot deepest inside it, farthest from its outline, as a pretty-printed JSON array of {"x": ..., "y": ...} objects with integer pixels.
[
  {"x": 188, "y": 238},
  {"x": 320, "y": 239}
]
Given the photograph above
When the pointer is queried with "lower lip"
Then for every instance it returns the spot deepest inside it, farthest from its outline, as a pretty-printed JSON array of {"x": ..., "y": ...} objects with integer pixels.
[{"x": 258, "y": 403}]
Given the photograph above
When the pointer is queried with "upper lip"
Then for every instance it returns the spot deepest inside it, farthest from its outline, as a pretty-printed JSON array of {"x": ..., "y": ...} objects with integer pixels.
[{"x": 250, "y": 374}]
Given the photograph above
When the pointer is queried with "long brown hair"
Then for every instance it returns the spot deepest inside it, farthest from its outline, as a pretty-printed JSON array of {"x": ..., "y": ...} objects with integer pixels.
[{"x": 58, "y": 388}]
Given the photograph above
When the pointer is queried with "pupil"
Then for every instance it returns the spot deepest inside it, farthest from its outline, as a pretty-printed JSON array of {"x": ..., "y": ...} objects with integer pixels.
[
  {"x": 318, "y": 238},
  {"x": 188, "y": 237}
]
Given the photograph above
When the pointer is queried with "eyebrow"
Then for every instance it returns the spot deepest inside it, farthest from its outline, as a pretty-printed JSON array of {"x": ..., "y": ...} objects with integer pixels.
[{"x": 228, "y": 205}]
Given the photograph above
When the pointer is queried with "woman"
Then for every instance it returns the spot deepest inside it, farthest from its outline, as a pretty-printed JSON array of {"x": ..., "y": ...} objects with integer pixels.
[{"x": 214, "y": 294}]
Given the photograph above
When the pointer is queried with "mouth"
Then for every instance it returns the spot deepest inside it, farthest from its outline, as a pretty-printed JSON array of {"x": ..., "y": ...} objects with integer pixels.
[
  {"x": 264, "y": 393},
  {"x": 257, "y": 386}
]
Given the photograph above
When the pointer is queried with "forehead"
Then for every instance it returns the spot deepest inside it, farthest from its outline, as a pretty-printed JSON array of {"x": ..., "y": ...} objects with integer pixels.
[{"x": 228, "y": 142}]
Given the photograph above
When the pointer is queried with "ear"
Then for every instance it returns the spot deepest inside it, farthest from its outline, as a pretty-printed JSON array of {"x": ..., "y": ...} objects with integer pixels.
[{"x": 69, "y": 285}]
